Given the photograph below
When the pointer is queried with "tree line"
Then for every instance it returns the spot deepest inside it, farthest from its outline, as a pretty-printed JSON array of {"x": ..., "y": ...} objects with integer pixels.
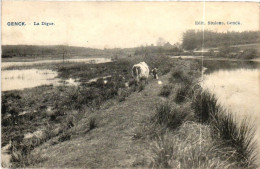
[{"x": 194, "y": 39}]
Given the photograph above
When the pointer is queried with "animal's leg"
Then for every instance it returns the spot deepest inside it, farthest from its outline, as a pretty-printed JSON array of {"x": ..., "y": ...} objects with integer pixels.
[{"x": 137, "y": 81}]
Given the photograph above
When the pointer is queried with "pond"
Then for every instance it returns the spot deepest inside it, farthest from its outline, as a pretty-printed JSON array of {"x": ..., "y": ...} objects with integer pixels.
[
  {"x": 237, "y": 90},
  {"x": 28, "y": 78}
]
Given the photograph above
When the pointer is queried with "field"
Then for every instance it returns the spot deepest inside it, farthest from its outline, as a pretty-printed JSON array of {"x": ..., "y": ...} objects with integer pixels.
[{"x": 172, "y": 124}]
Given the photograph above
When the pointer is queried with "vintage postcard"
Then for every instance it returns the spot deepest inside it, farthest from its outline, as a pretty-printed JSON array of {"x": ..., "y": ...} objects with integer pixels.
[{"x": 130, "y": 84}]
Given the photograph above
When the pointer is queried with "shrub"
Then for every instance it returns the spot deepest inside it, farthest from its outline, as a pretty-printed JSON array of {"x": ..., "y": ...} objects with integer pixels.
[
  {"x": 239, "y": 139},
  {"x": 11, "y": 103},
  {"x": 163, "y": 151},
  {"x": 185, "y": 73},
  {"x": 235, "y": 142},
  {"x": 181, "y": 93},
  {"x": 166, "y": 90},
  {"x": 190, "y": 147},
  {"x": 205, "y": 105},
  {"x": 171, "y": 115}
]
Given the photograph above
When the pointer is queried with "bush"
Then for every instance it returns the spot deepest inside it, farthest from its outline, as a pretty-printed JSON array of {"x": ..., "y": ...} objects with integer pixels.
[
  {"x": 235, "y": 142},
  {"x": 205, "y": 106},
  {"x": 185, "y": 73},
  {"x": 238, "y": 139},
  {"x": 191, "y": 147},
  {"x": 171, "y": 115},
  {"x": 11, "y": 103},
  {"x": 181, "y": 93},
  {"x": 166, "y": 90}
]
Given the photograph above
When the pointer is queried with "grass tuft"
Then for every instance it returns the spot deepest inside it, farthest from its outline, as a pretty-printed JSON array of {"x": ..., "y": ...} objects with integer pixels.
[
  {"x": 181, "y": 93},
  {"x": 205, "y": 105},
  {"x": 171, "y": 115},
  {"x": 92, "y": 123},
  {"x": 190, "y": 147},
  {"x": 236, "y": 140},
  {"x": 166, "y": 90}
]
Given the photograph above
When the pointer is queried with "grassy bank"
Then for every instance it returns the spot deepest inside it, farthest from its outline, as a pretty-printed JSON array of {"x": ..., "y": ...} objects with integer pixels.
[{"x": 191, "y": 130}]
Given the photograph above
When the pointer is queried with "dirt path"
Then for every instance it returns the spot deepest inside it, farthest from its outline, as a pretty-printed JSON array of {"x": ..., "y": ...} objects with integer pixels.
[{"x": 111, "y": 144}]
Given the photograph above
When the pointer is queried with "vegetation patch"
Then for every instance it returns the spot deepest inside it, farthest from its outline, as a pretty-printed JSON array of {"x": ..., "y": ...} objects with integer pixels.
[
  {"x": 189, "y": 147},
  {"x": 166, "y": 90},
  {"x": 171, "y": 115}
]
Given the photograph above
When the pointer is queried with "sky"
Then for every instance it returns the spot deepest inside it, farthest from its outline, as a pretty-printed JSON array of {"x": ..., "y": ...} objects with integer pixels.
[{"x": 119, "y": 24}]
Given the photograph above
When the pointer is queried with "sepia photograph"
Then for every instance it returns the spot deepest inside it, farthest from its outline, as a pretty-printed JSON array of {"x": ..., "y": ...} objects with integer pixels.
[{"x": 130, "y": 84}]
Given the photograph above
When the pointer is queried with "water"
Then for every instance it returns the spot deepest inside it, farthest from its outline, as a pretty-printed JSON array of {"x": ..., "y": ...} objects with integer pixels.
[
  {"x": 86, "y": 60},
  {"x": 238, "y": 90},
  {"x": 28, "y": 78}
]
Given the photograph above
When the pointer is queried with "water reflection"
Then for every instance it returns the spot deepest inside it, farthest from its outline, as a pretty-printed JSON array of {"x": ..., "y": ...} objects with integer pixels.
[
  {"x": 215, "y": 65},
  {"x": 237, "y": 89}
]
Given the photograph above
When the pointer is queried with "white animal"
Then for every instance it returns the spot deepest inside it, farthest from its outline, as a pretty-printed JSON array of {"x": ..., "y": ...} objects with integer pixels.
[{"x": 140, "y": 72}]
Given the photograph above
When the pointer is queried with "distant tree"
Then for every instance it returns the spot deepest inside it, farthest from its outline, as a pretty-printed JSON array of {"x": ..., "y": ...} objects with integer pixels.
[
  {"x": 190, "y": 40},
  {"x": 167, "y": 45},
  {"x": 194, "y": 39},
  {"x": 160, "y": 41}
]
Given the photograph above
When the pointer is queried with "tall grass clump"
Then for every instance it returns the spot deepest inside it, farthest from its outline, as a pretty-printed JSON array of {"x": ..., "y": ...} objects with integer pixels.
[
  {"x": 171, "y": 115},
  {"x": 190, "y": 147},
  {"x": 166, "y": 90},
  {"x": 185, "y": 73},
  {"x": 235, "y": 140},
  {"x": 181, "y": 93},
  {"x": 205, "y": 105}
]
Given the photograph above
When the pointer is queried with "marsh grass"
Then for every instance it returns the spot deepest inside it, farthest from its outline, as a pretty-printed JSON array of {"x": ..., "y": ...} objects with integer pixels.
[
  {"x": 186, "y": 149},
  {"x": 182, "y": 92},
  {"x": 166, "y": 90},
  {"x": 186, "y": 73},
  {"x": 236, "y": 140},
  {"x": 171, "y": 115},
  {"x": 205, "y": 106},
  {"x": 228, "y": 144}
]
